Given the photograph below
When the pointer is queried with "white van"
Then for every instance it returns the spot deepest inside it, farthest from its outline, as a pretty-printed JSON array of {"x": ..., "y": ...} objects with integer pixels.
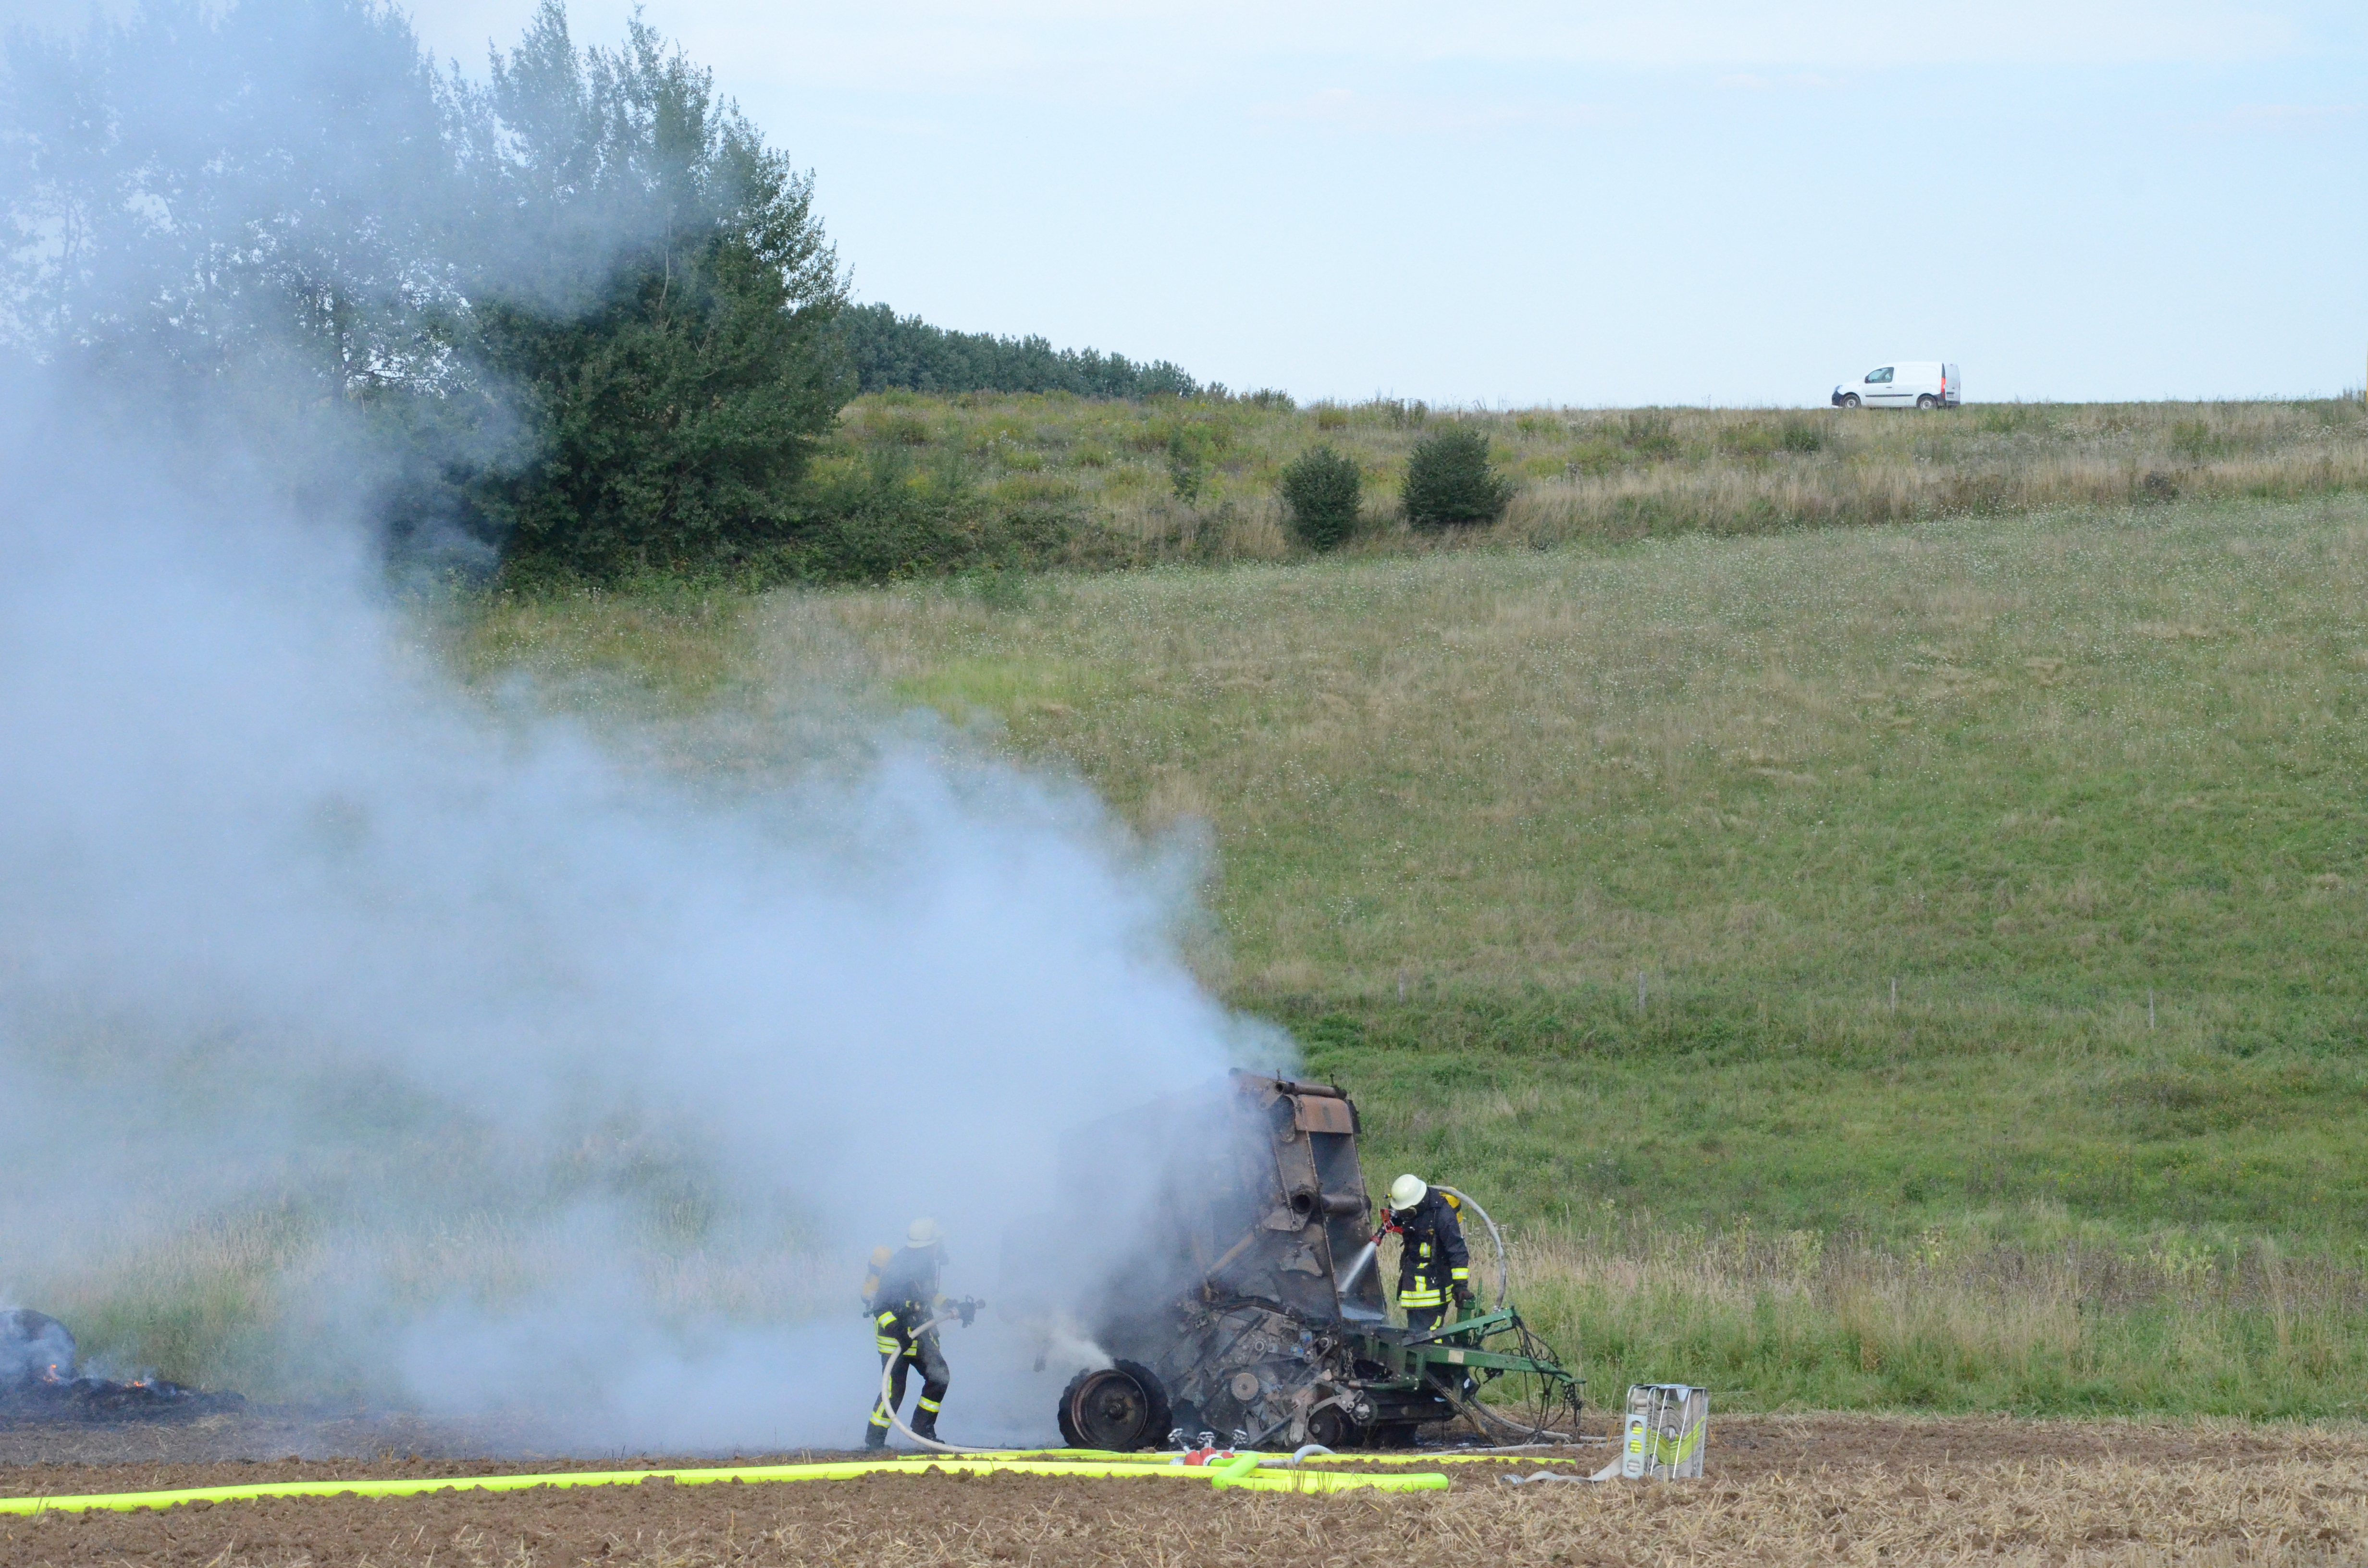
[{"x": 1911, "y": 383}]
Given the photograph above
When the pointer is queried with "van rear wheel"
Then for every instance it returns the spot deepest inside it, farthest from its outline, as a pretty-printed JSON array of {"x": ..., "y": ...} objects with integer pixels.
[
  {"x": 1850, "y": 400},
  {"x": 1928, "y": 401}
]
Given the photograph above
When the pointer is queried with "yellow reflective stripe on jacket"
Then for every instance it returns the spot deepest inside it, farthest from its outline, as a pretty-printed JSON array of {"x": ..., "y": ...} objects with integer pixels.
[
  {"x": 887, "y": 1347},
  {"x": 1418, "y": 1299},
  {"x": 1458, "y": 1274}
]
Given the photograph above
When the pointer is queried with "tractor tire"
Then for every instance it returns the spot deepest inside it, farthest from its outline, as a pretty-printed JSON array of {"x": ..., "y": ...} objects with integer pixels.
[
  {"x": 1120, "y": 1407},
  {"x": 1335, "y": 1428}
]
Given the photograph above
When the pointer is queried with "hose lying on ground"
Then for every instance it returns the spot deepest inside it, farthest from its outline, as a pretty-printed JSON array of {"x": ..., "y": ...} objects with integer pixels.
[
  {"x": 1608, "y": 1473},
  {"x": 1477, "y": 1413},
  {"x": 1235, "y": 1474}
]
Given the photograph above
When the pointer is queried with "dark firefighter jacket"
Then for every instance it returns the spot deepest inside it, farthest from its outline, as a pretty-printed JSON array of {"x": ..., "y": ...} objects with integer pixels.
[
  {"x": 1431, "y": 1257},
  {"x": 908, "y": 1280}
]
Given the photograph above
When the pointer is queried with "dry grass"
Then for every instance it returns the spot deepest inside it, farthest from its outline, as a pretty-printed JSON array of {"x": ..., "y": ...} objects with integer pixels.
[
  {"x": 1603, "y": 474},
  {"x": 1954, "y": 1318},
  {"x": 684, "y": 651},
  {"x": 264, "y": 1302}
]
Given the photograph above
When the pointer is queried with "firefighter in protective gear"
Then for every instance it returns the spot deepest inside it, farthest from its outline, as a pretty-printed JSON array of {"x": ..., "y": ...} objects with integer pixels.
[
  {"x": 1433, "y": 1262},
  {"x": 906, "y": 1298}
]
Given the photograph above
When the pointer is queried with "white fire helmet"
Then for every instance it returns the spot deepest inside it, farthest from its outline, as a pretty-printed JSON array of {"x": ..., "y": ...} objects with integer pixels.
[
  {"x": 924, "y": 1233},
  {"x": 1407, "y": 1191}
]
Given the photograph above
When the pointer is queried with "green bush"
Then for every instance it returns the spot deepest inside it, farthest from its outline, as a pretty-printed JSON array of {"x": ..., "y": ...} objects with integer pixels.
[
  {"x": 1754, "y": 439},
  {"x": 1747, "y": 441},
  {"x": 1449, "y": 484},
  {"x": 891, "y": 520},
  {"x": 1320, "y": 490},
  {"x": 1651, "y": 434},
  {"x": 2195, "y": 440},
  {"x": 1187, "y": 462}
]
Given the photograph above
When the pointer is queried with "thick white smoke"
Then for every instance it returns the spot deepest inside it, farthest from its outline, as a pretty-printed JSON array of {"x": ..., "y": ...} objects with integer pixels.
[
  {"x": 361, "y": 1035},
  {"x": 358, "y": 1035},
  {"x": 288, "y": 924}
]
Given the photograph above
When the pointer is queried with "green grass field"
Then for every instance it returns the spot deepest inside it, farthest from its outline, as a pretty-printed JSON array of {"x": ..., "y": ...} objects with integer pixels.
[
  {"x": 1914, "y": 963},
  {"x": 2083, "y": 784}
]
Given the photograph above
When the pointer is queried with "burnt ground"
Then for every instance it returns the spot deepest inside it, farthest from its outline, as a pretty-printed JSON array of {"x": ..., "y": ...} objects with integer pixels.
[{"x": 1779, "y": 1489}]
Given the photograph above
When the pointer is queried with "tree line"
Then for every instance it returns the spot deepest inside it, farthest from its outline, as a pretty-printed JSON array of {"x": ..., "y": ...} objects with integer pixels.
[
  {"x": 572, "y": 319},
  {"x": 888, "y": 351}
]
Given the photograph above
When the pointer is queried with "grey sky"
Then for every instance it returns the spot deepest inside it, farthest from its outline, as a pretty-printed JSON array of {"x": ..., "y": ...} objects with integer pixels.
[{"x": 1610, "y": 203}]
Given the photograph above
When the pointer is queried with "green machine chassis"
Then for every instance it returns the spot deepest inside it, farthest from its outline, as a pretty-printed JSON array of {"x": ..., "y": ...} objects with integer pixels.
[{"x": 1439, "y": 1361}]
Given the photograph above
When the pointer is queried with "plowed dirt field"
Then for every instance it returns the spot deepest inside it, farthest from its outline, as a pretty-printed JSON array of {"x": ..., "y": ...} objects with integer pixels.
[{"x": 1780, "y": 1490}]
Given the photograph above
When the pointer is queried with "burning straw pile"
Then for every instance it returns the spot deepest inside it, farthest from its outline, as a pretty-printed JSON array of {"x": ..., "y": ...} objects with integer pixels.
[{"x": 38, "y": 1382}]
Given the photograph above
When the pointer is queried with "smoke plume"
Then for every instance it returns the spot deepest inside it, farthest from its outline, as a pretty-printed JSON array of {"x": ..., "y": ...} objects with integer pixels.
[{"x": 363, "y": 1036}]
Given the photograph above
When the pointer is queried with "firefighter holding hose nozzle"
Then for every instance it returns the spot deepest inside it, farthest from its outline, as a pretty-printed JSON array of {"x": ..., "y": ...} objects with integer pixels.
[
  {"x": 1433, "y": 1262},
  {"x": 903, "y": 1303}
]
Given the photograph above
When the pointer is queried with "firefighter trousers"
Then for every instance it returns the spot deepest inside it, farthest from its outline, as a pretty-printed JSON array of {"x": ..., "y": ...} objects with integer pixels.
[{"x": 899, "y": 1345}]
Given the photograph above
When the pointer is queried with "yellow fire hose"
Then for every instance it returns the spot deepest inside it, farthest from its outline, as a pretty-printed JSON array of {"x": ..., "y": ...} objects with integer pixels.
[
  {"x": 1475, "y": 1456},
  {"x": 1245, "y": 1470},
  {"x": 1243, "y": 1473}
]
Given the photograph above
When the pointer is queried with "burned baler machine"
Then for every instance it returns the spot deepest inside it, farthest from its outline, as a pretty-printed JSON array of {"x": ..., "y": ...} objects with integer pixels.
[{"x": 1249, "y": 1306}]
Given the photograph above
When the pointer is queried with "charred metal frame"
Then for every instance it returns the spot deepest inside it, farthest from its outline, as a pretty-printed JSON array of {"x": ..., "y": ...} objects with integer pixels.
[{"x": 1252, "y": 1334}]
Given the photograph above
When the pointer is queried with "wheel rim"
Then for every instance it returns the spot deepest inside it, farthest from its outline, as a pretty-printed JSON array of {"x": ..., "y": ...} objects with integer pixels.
[
  {"x": 1330, "y": 1429},
  {"x": 1110, "y": 1410}
]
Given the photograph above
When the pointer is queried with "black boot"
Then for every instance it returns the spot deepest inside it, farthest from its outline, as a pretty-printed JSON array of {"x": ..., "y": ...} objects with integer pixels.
[
  {"x": 875, "y": 1436},
  {"x": 925, "y": 1427}
]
